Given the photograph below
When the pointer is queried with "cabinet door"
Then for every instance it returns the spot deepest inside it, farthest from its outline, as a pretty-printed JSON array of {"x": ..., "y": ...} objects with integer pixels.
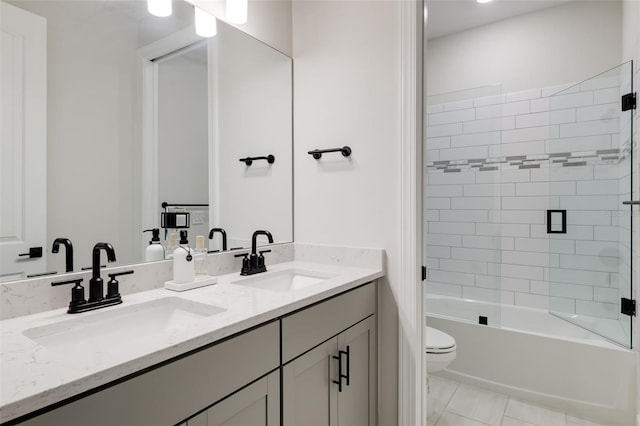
[
  {"x": 309, "y": 397},
  {"x": 257, "y": 405},
  {"x": 357, "y": 401}
]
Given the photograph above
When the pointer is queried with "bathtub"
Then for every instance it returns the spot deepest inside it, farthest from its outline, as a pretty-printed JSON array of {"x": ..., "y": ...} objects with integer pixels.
[{"x": 535, "y": 356}]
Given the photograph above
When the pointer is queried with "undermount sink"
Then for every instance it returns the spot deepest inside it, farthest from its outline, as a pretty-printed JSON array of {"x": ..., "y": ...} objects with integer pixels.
[
  {"x": 120, "y": 326},
  {"x": 285, "y": 280}
]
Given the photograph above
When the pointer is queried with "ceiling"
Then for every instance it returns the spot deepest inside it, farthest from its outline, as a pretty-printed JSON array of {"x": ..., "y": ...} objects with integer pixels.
[{"x": 452, "y": 16}]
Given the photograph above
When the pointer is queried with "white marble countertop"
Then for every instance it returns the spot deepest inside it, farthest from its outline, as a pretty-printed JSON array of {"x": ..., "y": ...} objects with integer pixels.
[{"x": 34, "y": 376}]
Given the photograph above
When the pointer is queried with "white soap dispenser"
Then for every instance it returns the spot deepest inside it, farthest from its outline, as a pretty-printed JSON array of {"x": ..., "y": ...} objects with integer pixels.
[
  {"x": 155, "y": 250},
  {"x": 183, "y": 261}
]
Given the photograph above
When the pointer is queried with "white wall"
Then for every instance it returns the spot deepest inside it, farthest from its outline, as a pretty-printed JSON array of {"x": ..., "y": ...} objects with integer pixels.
[
  {"x": 347, "y": 92},
  {"x": 558, "y": 45}
]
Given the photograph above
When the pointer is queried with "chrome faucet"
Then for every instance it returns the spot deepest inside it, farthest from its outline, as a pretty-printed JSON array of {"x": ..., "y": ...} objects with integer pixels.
[{"x": 68, "y": 250}]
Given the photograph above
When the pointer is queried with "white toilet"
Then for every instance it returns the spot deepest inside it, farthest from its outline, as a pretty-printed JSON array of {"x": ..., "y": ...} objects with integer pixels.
[{"x": 440, "y": 348}]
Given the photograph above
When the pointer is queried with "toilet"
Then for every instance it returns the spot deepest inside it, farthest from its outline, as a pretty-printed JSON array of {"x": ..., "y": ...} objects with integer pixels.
[{"x": 440, "y": 348}]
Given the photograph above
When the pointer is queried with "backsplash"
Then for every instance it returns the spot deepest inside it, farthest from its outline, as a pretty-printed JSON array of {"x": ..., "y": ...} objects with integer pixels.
[{"x": 496, "y": 164}]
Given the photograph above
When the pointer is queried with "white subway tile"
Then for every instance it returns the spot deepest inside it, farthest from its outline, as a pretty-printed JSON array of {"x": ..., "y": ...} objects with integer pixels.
[
  {"x": 463, "y": 266},
  {"x": 525, "y": 258},
  {"x": 606, "y": 233},
  {"x": 607, "y": 295},
  {"x": 560, "y": 304},
  {"x": 465, "y": 215},
  {"x": 522, "y": 216},
  {"x": 476, "y": 139},
  {"x": 529, "y": 203},
  {"x": 545, "y": 245},
  {"x": 521, "y": 148},
  {"x": 490, "y": 111},
  {"x": 443, "y": 130},
  {"x": 504, "y": 176},
  {"x": 475, "y": 203},
  {"x": 451, "y": 117},
  {"x": 573, "y": 291},
  {"x": 539, "y": 287},
  {"x": 533, "y": 120},
  {"x": 464, "y": 153},
  {"x": 508, "y": 123},
  {"x": 603, "y": 81},
  {"x": 564, "y": 101},
  {"x": 508, "y": 298},
  {"x": 526, "y": 134},
  {"x": 451, "y": 277},
  {"x": 585, "y": 217},
  {"x": 476, "y": 255},
  {"x": 598, "y": 248},
  {"x": 454, "y": 106},
  {"x": 440, "y": 252},
  {"x": 450, "y": 178},
  {"x": 574, "y": 232},
  {"x": 503, "y": 283},
  {"x": 504, "y": 230},
  {"x": 444, "y": 190},
  {"x": 598, "y": 112},
  {"x": 481, "y": 242},
  {"x": 443, "y": 289},
  {"x": 590, "y": 202},
  {"x": 562, "y": 174},
  {"x": 579, "y": 144},
  {"x": 564, "y": 88},
  {"x": 583, "y": 277},
  {"x": 438, "y": 143},
  {"x": 545, "y": 188},
  {"x": 487, "y": 100},
  {"x": 486, "y": 125},
  {"x": 532, "y": 301},
  {"x": 515, "y": 108},
  {"x": 437, "y": 202},
  {"x": 455, "y": 228},
  {"x": 433, "y": 263},
  {"x": 603, "y": 96},
  {"x": 590, "y": 128},
  {"x": 521, "y": 271},
  {"x": 596, "y": 309},
  {"x": 594, "y": 187},
  {"x": 444, "y": 240},
  {"x": 589, "y": 263},
  {"x": 435, "y": 108},
  {"x": 432, "y": 215},
  {"x": 432, "y": 155},
  {"x": 524, "y": 95},
  {"x": 482, "y": 294},
  {"x": 488, "y": 190}
]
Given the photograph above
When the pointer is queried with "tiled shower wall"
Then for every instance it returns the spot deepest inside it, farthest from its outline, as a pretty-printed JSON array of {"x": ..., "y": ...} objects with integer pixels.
[{"x": 496, "y": 164}]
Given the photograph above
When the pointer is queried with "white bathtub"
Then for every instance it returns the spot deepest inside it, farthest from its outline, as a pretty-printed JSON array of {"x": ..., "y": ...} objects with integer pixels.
[{"x": 537, "y": 357}]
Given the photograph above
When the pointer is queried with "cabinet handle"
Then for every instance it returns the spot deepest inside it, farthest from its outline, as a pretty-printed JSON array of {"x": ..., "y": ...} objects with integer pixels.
[
  {"x": 347, "y": 352},
  {"x": 340, "y": 374}
]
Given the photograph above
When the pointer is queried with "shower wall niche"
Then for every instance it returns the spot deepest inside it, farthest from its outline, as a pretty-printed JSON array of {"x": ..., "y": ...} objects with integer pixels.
[{"x": 496, "y": 163}]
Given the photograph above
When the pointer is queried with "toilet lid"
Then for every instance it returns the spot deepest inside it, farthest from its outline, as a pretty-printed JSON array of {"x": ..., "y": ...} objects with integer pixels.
[{"x": 438, "y": 342}]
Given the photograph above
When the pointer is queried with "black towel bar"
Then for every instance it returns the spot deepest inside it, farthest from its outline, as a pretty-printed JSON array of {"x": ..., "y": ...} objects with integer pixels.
[{"x": 317, "y": 153}]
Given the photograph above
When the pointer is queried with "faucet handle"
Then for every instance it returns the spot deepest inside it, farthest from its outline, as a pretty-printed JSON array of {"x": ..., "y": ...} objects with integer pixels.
[
  {"x": 77, "y": 292},
  {"x": 264, "y": 251},
  {"x": 245, "y": 263}
]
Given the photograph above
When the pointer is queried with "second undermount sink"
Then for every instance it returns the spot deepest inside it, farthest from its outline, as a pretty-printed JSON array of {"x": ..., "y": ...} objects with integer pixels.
[
  {"x": 285, "y": 280},
  {"x": 122, "y": 326}
]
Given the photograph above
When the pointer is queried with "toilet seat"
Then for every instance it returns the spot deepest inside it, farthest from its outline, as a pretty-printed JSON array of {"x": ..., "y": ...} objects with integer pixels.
[{"x": 437, "y": 342}]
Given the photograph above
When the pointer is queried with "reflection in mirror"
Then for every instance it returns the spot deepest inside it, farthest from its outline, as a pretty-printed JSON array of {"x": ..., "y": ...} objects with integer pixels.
[{"x": 91, "y": 178}]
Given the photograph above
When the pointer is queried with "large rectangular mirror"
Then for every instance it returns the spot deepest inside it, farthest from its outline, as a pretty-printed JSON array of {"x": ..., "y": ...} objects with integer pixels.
[{"x": 132, "y": 111}]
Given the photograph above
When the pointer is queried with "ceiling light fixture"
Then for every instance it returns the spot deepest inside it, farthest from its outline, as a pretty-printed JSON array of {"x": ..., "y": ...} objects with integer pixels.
[
  {"x": 206, "y": 25},
  {"x": 237, "y": 11},
  {"x": 161, "y": 8},
  {"x": 483, "y": 1}
]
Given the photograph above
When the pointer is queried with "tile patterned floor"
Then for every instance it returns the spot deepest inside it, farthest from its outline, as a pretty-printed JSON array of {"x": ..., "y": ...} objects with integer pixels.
[{"x": 456, "y": 404}]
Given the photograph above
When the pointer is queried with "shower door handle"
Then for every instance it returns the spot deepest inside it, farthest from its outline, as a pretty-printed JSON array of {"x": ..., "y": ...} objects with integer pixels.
[{"x": 631, "y": 203}]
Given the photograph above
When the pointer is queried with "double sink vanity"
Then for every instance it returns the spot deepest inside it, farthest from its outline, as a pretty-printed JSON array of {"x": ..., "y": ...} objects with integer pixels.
[{"x": 295, "y": 344}]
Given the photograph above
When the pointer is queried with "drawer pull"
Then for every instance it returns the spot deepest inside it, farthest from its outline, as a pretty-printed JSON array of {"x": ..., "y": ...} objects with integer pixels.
[{"x": 341, "y": 375}]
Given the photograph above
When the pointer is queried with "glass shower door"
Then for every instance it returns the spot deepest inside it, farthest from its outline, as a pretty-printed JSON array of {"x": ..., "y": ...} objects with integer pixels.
[{"x": 588, "y": 227}]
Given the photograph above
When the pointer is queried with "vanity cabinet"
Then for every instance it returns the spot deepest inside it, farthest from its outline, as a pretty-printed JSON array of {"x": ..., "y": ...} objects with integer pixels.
[{"x": 313, "y": 393}]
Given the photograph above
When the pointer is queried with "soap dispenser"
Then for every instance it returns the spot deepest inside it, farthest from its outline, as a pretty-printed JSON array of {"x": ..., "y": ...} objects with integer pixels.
[
  {"x": 155, "y": 250},
  {"x": 183, "y": 261}
]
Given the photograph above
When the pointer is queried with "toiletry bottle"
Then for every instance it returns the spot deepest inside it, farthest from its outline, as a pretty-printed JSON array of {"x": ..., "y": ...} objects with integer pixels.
[
  {"x": 172, "y": 244},
  {"x": 183, "y": 261},
  {"x": 155, "y": 250},
  {"x": 200, "y": 258}
]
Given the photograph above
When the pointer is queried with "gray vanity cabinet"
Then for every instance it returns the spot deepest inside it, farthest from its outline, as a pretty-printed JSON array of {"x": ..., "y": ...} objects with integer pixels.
[{"x": 346, "y": 326}]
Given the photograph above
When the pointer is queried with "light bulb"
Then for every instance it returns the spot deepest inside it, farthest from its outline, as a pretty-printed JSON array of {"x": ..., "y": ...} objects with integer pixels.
[
  {"x": 206, "y": 25},
  {"x": 161, "y": 8},
  {"x": 237, "y": 11}
]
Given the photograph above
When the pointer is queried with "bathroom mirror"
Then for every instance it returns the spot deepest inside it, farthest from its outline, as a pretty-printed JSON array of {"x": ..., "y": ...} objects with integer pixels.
[{"x": 94, "y": 180}]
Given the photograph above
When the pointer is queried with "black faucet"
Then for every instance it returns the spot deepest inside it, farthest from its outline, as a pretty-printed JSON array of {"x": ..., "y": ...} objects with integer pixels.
[
  {"x": 254, "y": 264},
  {"x": 68, "y": 251},
  {"x": 96, "y": 284},
  {"x": 224, "y": 236}
]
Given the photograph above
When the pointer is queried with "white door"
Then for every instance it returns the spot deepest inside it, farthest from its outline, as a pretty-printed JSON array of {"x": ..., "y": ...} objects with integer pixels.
[{"x": 23, "y": 142}]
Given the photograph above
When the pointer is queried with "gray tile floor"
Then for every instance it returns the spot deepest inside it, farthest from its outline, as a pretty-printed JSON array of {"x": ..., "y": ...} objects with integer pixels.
[{"x": 455, "y": 404}]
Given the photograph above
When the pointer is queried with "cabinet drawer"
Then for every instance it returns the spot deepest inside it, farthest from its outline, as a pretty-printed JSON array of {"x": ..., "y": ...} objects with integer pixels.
[
  {"x": 179, "y": 389},
  {"x": 303, "y": 330}
]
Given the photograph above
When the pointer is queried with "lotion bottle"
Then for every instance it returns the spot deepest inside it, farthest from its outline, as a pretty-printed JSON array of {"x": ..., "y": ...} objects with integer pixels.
[
  {"x": 183, "y": 261},
  {"x": 155, "y": 250}
]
